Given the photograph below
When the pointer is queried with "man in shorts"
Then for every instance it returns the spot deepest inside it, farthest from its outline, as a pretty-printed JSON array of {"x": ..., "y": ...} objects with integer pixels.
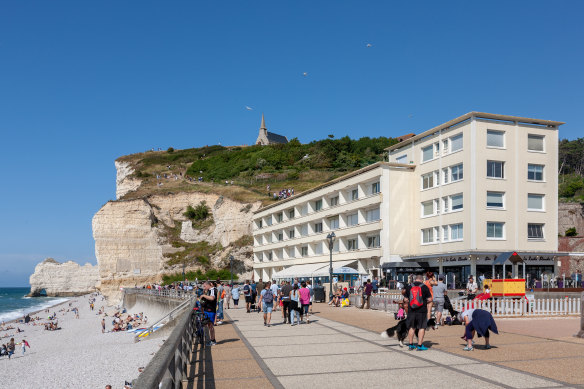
[
  {"x": 439, "y": 292},
  {"x": 418, "y": 299},
  {"x": 247, "y": 292},
  {"x": 209, "y": 303},
  {"x": 276, "y": 291},
  {"x": 267, "y": 298}
]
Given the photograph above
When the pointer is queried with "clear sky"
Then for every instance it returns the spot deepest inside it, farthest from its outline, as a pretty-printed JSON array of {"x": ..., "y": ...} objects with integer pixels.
[{"x": 82, "y": 83}]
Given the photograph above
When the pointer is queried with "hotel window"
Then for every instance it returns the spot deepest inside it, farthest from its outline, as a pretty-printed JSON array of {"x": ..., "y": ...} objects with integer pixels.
[
  {"x": 352, "y": 219},
  {"x": 428, "y": 208},
  {"x": 269, "y": 220},
  {"x": 456, "y": 172},
  {"x": 260, "y": 223},
  {"x": 279, "y": 217},
  {"x": 456, "y": 201},
  {"x": 495, "y": 199},
  {"x": 304, "y": 210},
  {"x": 270, "y": 256},
  {"x": 445, "y": 206},
  {"x": 456, "y": 231},
  {"x": 260, "y": 239},
  {"x": 291, "y": 214},
  {"x": 280, "y": 236},
  {"x": 445, "y": 234},
  {"x": 456, "y": 143},
  {"x": 534, "y": 202},
  {"x": 334, "y": 201},
  {"x": 375, "y": 188},
  {"x": 304, "y": 251},
  {"x": 445, "y": 175},
  {"x": 534, "y": 172},
  {"x": 428, "y": 235},
  {"x": 427, "y": 153},
  {"x": 495, "y": 169},
  {"x": 445, "y": 146},
  {"x": 495, "y": 139},
  {"x": 317, "y": 227},
  {"x": 372, "y": 215},
  {"x": 291, "y": 252},
  {"x": 534, "y": 231},
  {"x": 373, "y": 241},
  {"x": 334, "y": 223},
  {"x": 428, "y": 180},
  {"x": 269, "y": 238},
  {"x": 354, "y": 194},
  {"x": 291, "y": 234},
  {"x": 402, "y": 159},
  {"x": 304, "y": 230},
  {"x": 535, "y": 142},
  {"x": 318, "y": 205},
  {"x": 352, "y": 244},
  {"x": 495, "y": 230},
  {"x": 260, "y": 257}
]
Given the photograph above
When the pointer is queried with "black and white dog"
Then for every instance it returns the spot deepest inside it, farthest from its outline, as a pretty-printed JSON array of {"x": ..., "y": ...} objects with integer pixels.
[{"x": 401, "y": 330}]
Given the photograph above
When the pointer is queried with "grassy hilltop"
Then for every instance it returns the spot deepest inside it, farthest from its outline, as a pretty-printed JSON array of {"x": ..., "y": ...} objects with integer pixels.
[{"x": 252, "y": 168}]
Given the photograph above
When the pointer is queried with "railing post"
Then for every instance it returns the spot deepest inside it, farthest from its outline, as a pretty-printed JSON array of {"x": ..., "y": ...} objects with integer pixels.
[{"x": 581, "y": 333}]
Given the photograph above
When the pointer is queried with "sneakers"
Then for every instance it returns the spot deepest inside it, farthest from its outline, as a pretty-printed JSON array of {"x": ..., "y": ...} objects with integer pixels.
[
  {"x": 211, "y": 343},
  {"x": 219, "y": 323},
  {"x": 268, "y": 325},
  {"x": 421, "y": 347},
  {"x": 468, "y": 348},
  {"x": 265, "y": 324},
  {"x": 411, "y": 347},
  {"x": 488, "y": 347}
]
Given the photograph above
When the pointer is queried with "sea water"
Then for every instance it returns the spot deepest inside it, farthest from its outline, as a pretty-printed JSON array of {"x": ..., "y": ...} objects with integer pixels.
[{"x": 14, "y": 303}]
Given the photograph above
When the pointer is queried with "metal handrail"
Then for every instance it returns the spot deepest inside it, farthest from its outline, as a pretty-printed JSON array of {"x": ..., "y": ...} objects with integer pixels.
[
  {"x": 168, "y": 366},
  {"x": 168, "y": 317},
  {"x": 170, "y": 293}
]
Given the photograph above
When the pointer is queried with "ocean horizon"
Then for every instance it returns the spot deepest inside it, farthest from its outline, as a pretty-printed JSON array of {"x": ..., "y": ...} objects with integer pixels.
[{"x": 14, "y": 303}]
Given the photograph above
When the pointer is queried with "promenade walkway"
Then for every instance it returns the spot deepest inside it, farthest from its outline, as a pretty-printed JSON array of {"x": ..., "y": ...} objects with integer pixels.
[{"x": 330, "y": 353}]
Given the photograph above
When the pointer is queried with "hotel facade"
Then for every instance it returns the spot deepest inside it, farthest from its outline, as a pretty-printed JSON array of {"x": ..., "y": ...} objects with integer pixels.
[{"x": 451, "y": 199}]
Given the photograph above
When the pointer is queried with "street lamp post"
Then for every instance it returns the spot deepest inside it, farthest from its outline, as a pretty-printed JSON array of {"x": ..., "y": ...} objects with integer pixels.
[
  {"x": 231, "y": 268},
  {"x": 331, "y": 240}
]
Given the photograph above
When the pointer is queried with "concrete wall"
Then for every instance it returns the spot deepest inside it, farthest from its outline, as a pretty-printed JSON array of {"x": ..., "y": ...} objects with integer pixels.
[{"x": 154, "y": 307}]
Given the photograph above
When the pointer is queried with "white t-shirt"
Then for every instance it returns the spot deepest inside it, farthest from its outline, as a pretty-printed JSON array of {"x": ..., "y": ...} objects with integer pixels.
[
  {"x": 472, "y": 287},
  {"x": 468, "y": 313},
  {"x": 274, "y": 288}
]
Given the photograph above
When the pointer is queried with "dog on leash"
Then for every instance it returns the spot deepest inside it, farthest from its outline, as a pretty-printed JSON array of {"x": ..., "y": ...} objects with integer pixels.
[{"x": 400, "y": 330}]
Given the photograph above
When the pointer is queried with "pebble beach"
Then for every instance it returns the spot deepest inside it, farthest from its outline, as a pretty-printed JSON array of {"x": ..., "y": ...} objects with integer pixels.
[{"x": 78, "y": 355}]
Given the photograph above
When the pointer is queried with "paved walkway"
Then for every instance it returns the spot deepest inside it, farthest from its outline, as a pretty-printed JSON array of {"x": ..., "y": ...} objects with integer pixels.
[{"x": 327, "y": 353}]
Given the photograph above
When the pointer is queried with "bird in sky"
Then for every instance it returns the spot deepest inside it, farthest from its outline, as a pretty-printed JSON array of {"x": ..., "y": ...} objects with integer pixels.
[
  {"x": 305, "y": 74},
  {"x": 369, "y": 45},
  {"x": 248, "y": 108}
]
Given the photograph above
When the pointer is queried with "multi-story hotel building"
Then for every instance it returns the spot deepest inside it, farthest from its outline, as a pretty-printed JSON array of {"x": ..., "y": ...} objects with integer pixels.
[{"x": 450, "y": 199}]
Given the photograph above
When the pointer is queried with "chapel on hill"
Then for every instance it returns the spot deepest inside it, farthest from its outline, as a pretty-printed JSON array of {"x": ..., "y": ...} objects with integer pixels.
[{"x": 269, "y": 138}]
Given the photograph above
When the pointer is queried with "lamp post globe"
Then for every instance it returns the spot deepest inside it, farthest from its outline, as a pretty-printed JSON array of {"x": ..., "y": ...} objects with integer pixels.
[{"x": 331, "y": 241}]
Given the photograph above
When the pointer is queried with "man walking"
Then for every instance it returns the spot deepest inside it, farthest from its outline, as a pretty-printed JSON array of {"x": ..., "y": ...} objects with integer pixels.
[
  {"x": 375, "y": 285},
  {"x": 247, "y": 293},
  {"x": 209, "y": 303},
  {"x": 419, "y": 300},
  {"x": 285, "y": 297},
  {"x": 275, "y": 291},
  {"x": 367, "y": 294},
  {"x": 439, "y": 292}
]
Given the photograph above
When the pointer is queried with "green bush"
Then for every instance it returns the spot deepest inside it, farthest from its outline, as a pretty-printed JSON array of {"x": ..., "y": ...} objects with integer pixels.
[
  {"x": 200, "y": 212},
  {"x": 571, "y": 232},
  {"x": 213, "y": 274},
  {"x": 170, "y": 150}
]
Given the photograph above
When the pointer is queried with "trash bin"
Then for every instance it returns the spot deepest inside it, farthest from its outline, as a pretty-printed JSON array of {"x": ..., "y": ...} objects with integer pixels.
[{"x": 319, "y": 294}]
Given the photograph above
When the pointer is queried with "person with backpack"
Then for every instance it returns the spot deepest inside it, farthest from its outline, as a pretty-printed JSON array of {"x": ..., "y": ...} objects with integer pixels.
[
  {"x": 419, "y": 300},
  {"x": 267, "y": 298},
  {"x": 247, "y": 293}
]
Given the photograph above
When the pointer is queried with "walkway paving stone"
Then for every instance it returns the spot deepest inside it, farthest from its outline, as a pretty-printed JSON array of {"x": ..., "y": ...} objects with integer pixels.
[{"x": 330, "y": 353}]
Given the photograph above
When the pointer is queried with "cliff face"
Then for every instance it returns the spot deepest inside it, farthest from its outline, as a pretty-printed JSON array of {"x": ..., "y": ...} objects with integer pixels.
[
  {"x": 63, "y": 279},
  {"x": 571, "y": 215},
  {"x": 131, "y": 237},
  {"x": 125, "y": 184}
]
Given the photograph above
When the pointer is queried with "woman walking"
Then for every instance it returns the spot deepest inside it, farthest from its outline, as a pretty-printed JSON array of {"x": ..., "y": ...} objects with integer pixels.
[
  {"x": 304, "y": 293},
  {"x": 479, "y": 321},
  {"x": 294, "y": 305},
  {"x": 227, "y": 290}
]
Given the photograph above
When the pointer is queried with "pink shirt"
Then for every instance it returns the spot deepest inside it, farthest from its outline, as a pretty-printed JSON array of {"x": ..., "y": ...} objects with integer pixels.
[{"x": 304, "y": 296}]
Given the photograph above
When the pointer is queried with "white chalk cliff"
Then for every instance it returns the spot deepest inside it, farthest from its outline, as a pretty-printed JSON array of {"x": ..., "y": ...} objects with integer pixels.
[
  {"x": 124, "y": 183},
  {"x": 63, "y": 279}
]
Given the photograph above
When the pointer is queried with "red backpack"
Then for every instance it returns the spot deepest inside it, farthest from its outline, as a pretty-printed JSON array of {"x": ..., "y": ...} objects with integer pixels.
[{"x": 416, "y": 300}]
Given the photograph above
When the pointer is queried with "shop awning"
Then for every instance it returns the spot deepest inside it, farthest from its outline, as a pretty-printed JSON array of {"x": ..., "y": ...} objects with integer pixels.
[
  {"x": 511, "y": 256},
  {"x": 339, "y": 267},
  {"x": 304, "y": 270}
]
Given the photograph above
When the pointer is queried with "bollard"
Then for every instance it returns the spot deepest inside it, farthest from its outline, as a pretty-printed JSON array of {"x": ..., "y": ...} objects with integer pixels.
[{"x": 581, "y": 333}]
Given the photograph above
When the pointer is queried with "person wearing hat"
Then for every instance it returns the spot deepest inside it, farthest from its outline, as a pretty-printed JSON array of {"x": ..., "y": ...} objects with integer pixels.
[{"x": 479, "y": 321}]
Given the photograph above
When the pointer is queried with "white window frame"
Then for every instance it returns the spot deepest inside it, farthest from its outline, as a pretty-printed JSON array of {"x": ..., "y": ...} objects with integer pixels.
[
  {"x": 538, "y": 136},
  {"x": 291, "y": 233},
  {"x": 424, "y": 204},
  {"x": 427, "y": 153},
  {"x": 375, "y": 188},
  {"x": 354, "y": 194},
  {"x": 453, "y": 140},
  {"x": 502, "y": 170},
  {"x": 291, "y": 213},
  {"x": 542, "y": 197},
  {"x": 350, "y": 217},
  {"x": 336, "y": 220},
  {"x": 317, "y": 227},
  {"x": 402, "y": 159},
  {"x": 502, "y": 237},
  {"x": 494, "y": 206},
  {"x": 317, "y": 205},
  {"x": 431, "y": 175},
  {"x": 304, "y": 251},
  {"x": 534, "y": 225},
  {"x": 427, "y": 236},
  {"x": 376, "y": 241},
  {"x": 496, "y": 132},
  {"x": 352, "y": 244},
  {"x": 457, "y": 229},
  {"x": 536, "y": 165},
  {"x": 459, "y": 173},
  {"x": 369, "y": 212},
  {"x": 445, "y": 176},
  {"x": 334, "y": 201},
  {"x": 451, "y": 202}
]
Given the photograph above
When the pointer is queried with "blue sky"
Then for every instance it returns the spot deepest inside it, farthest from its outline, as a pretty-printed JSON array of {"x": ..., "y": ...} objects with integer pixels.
[{"x": 82, "y": 83}]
